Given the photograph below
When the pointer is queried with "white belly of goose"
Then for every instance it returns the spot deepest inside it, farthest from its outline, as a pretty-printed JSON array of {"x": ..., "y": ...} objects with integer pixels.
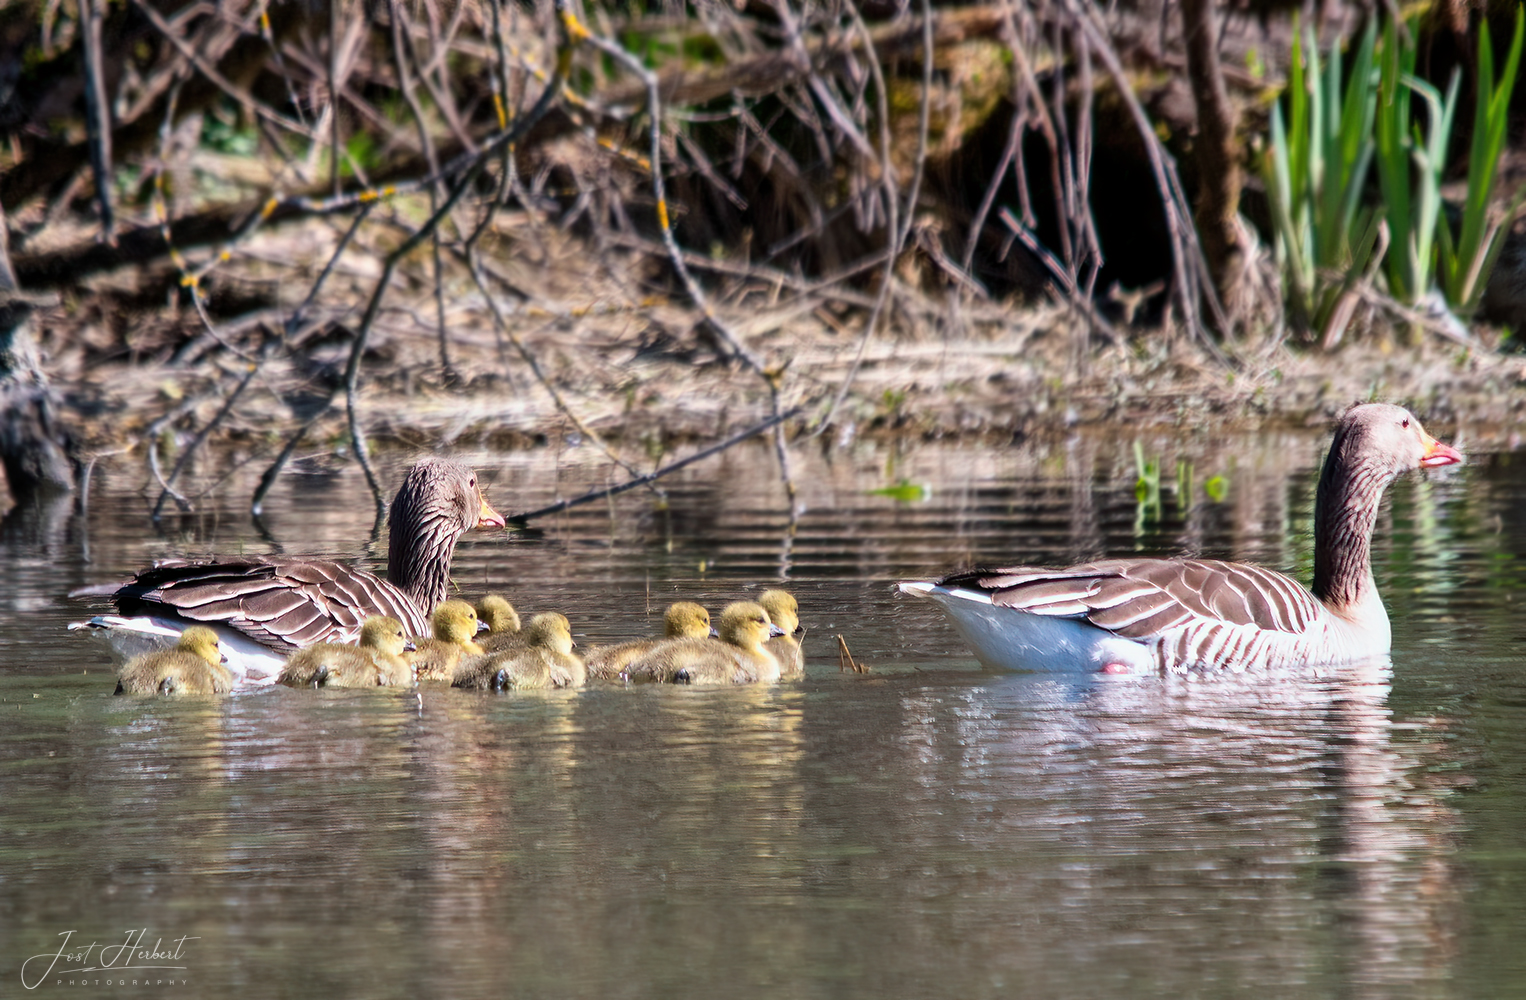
[
  {"x": 1005, "y": 638},
  {"x": 252, "y": 664}
]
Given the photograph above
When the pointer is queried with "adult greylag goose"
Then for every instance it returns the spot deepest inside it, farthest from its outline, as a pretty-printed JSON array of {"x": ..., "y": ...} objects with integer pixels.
[
  {"x": 544, "y": 660},
  {"x": 1177, "y": 615},
  {"x": 784, "y": 612},
  {"x": 193, "y": 666},
  {"x": 737, "y": 656},
  {"x": 684, "y": 619},
  {"x": 376, "y": 661},
  {"x": 454, "y": 626},
  {"x": 264, "y": 607},
  {"x": 502, "y": 623}
]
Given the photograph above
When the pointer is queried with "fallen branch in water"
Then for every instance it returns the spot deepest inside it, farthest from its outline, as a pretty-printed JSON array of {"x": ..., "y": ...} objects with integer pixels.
[
  {"x": 845, "y": 662},
  {"x": 520, "y": 520}
]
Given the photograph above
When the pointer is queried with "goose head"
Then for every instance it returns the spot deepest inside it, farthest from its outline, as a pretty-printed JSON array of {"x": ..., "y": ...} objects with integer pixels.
[
  {"x": 1374, "y": 443},
  {"x": 686, "y": 620},
  {"x": 498, "y": 613},
  {"x": 1388, "y": 440},
  {"x": 549, "y": 630},
  {"x": 437, "y": 503},
  {"x": 744, "y": 624},
  {"x": 384, "y": 635},
  {"x": 454, "y": 622}
]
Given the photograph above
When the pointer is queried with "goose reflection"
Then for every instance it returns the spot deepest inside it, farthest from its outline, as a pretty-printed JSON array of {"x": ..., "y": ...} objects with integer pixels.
[{"x": 1156, "y": 827}]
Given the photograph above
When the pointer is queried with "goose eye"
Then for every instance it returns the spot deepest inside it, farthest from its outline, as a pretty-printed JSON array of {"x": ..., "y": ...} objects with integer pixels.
[{"x": 1405, "y": 423}]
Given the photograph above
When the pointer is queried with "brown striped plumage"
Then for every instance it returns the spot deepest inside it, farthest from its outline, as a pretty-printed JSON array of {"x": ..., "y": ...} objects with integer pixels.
[
  {"x": 286, "y": 602},
  {"x": 1205, "y": 613}
]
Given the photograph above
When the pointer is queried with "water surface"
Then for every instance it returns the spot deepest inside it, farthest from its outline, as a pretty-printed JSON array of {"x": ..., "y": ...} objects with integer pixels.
[{"x": 923, "y": 829}]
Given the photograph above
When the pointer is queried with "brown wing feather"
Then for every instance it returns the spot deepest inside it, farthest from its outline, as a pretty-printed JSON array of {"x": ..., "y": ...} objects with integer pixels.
[
  {"x": 1140, "y": 598},
  {"x": 279, "y": 602}
]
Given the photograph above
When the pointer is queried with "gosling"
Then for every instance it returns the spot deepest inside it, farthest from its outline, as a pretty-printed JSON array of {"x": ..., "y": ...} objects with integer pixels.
[
  {"x": 454, "y": 624},
  {"x": 502, "y": 624},
  {"x": 683, "y": 620},
  {"x": 377, "y": 661},
  {"x": 737, "y": 657},
  {"x": 784, "y": 612},
  {"x": 194, "y": 666},
  {"x": 546, "y": 660}
]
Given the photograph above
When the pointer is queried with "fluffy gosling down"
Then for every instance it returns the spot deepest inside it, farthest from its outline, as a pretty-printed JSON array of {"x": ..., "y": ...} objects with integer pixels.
[
  {"x": 784, "y": 612},
  {"x": 376, "y": 661},
  {"x": 738, "y": 656},
  {"x": 193, "y": 666},
  {"x": 502, "y": 624},
  {"x": 546, "y": 660},
  {"x": 683, "y": 620},
  {"x": 455, "y": 625}
]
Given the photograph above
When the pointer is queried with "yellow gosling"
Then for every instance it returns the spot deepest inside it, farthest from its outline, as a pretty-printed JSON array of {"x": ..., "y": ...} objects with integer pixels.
[
  {"x": 454, "y": 624},
  {"x": 193, "y": 666},
  {"x": 546, "y": 660},
  {"x": 683, "y": 620},
  {"x": 784, "y": 612},
  {"x": 737, "y": 657},
  {"x": 377, "y": 661},
  {"x": 502, "y": 624}
]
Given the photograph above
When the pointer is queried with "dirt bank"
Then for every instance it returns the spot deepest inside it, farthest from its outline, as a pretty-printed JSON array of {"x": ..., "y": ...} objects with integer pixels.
[{"x": 606, "y": 356}]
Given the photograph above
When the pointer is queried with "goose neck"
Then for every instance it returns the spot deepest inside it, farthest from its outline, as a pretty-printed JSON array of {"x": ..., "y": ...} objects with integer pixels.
[
  {"x": 418, "y": 559},
  {"x": 1345, "y": 511}
]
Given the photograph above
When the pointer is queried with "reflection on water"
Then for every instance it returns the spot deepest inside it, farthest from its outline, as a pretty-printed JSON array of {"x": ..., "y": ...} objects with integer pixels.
[{"x": 922, "y": 830}]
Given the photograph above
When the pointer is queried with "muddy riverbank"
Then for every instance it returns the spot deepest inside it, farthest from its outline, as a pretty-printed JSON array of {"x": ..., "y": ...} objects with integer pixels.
[{"x": 577, "y": 356}]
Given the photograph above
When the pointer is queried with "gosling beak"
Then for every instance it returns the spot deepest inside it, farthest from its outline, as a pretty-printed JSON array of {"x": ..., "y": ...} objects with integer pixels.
[
  {"x": 1437, "y": 453},
  {"x": 483, "y": 626},
  {"x": 487, "y": 517},
  {"x": 409, "y": 646},
  {"x": 775, "y": 631}
]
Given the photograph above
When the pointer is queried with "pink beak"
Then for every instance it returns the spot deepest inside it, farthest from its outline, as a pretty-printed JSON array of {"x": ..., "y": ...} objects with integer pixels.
[{"x": 1437, "y": 453}]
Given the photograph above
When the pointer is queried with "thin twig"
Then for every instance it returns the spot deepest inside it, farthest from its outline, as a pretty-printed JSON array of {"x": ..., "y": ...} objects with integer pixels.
[
  {"x": 98, "y": 116},
  {"x": 650, "y": 477},
  {"x": 772, "y": 377},
  {"x": 426, "y": 143},
  {"x": 896, "y": 232},
  {"x": 501, "y": 323},
  {"x": 207, "y": 70},
  {"x": 1186, "y": 253},
  {"x": 196, "y": 442},
  {"x": 373, "y": 306},
  {"x": 845, "y": 661},
  {"x": 273, "y": 471},
  {"x": 293, "y": 324}
]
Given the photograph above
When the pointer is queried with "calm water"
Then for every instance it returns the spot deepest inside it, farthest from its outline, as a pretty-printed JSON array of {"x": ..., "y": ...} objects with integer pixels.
[{"x": 924, "y": 829}]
